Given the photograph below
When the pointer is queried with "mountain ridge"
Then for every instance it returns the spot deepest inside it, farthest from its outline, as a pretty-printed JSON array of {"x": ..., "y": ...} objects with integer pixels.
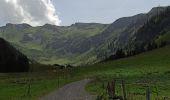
[{"x": 77, "y": 42}]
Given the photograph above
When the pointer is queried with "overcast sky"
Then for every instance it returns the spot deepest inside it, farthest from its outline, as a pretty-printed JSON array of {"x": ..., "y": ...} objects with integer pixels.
[
  {"x": 67, "y": 12},
  {"x": 102, "y": 11}
]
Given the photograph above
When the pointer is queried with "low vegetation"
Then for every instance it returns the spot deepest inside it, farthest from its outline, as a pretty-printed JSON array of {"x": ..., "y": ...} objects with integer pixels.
[
  {"x": 150, "y": 69},
  {"x": 146, "y": 69}
]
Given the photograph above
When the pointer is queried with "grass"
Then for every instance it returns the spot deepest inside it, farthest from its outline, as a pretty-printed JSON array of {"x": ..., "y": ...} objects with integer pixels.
[
  {"x": 15, "y": 86},
  {"x": 147, "y": 69},
  {"x": 54, "y": 60},
  {"x": 163, "y": 38}
]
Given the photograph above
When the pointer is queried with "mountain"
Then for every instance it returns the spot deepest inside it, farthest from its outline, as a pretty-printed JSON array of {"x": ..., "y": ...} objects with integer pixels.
[
  {"x": 11, "y": 60},
  {"x": 50, "y": 43},
  {"x": 156, "y": 30},
  {"x": 138, "y": 32},
  {"x": 83, "y": 43}
]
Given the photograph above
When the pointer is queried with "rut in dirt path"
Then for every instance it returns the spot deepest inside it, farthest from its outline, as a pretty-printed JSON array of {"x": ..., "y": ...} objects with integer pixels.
[{"x": 72, "y": 91}]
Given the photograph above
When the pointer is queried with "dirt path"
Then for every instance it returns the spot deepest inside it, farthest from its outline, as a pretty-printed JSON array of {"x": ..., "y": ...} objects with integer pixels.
[{"x": 72, "y": 91}]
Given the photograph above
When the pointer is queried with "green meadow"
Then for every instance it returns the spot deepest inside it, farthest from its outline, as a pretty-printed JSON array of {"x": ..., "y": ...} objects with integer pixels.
[{"x": 149, "y": 69}]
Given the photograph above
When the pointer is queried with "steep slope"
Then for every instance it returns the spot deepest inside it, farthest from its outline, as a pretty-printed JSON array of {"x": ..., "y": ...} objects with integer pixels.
[
  {"x": 81, "y": 42},
  {"x": 11, "y": 60},
  {"x": 117, "y": 36},
  {"x": 140, "y": 33},
  {"x": 155, "y": 29}
]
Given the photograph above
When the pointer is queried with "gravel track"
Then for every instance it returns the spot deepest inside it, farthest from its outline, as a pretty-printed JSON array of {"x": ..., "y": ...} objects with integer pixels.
[{"x": 72, "y": 91}]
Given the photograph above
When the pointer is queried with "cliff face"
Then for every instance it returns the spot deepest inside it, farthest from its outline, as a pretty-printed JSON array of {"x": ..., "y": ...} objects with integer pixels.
[{"x": 11, "y": 60}]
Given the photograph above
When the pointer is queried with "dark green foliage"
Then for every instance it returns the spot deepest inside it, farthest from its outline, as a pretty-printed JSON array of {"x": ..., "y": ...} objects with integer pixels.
[
  {"x": 119, "y": 54},
  {"x": 151, "y": 46},
  {"x": 11, "y": 60}
]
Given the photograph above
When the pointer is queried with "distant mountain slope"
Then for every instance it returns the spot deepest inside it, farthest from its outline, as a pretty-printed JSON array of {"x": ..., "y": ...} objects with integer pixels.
[
  {"x": 141, "y": 34},
  {"x": 154, "y": 29},
  {"x": 84, "y": 42},
  {"x": 125, "y": 27},
  {"x": 50, "y": 43},
  {"x": 11, "y": 60}
]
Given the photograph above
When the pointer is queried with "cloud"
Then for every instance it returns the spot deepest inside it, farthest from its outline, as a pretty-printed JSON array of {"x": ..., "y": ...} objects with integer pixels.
[{"x": 33, "y": 12}]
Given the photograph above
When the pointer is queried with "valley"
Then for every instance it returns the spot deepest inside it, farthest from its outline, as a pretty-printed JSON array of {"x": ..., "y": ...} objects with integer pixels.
[
  {"x": 46, "y": 58},
  {"x": 50, "y": 44},
  {"x": 150, "y": 68}
]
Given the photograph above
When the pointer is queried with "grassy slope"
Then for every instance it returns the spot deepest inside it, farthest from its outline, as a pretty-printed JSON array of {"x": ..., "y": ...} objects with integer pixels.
[
  {"x": 43, "y": 35},
  {"x": 151, "y": 68},
  {"x": 163, "y": 38}
]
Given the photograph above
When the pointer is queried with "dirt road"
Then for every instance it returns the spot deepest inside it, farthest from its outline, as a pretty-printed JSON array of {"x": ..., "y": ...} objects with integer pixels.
[{"x": 72, "y": 91}]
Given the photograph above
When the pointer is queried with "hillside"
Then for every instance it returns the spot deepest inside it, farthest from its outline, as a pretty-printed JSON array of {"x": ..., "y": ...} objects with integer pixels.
[
  {"x": 11, "y": 60},
  {"x": 86, "y": 43},
  {"x": 140, "y": 33},
  {"x": 50, "y": 43},
  {"x": 148, "y": 69}
]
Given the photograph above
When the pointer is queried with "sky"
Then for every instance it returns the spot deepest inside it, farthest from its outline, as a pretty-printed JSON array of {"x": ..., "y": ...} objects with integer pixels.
[
  {"x": 33, "y": 12},
  {"x": 102, "y": 11},
  {"x": 67, "y": 12}
]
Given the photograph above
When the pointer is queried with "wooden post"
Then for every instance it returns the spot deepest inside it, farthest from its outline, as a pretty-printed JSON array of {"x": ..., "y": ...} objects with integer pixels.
[
  {"x": 103, "y": 84},
  {"x": 95, "y": 78},
  {"x": 113, "y": 88},
  {"x": 109, "y": 90},
  {"x": 58, "y": 81},
  {"x": 148, "y": 93},
  {"x": 124, "y": 90},
  {"x": 157, "y": 93},
  {"x": 128, "y": 91},
  {"x": 29, "y": 88}
]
